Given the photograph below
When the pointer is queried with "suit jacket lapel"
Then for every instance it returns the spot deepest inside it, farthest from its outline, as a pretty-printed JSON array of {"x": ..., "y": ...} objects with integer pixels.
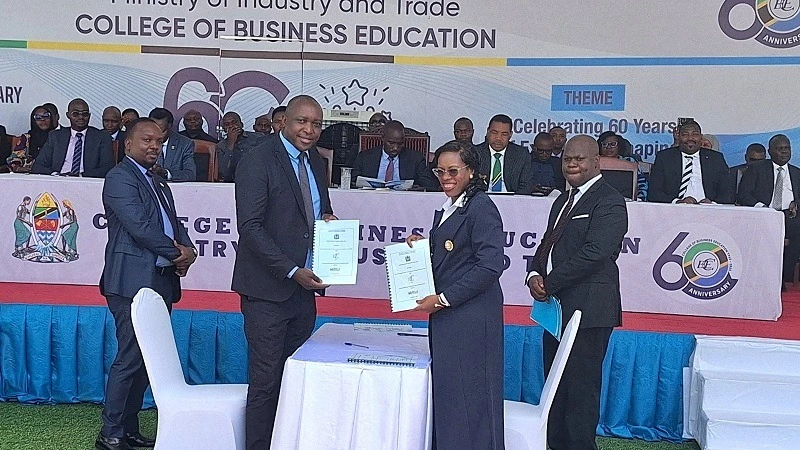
[
  {"x": 585, "y": 195},
  {"x": 510, "y": 166},
  {"x": 142, "y": 179},
  {"x": 282, "y": 155},
  {"x": 60, "y": 150},
  {"x": 320, "y": 171},
  {"x": 794, "y": 176},
  {"x": 705, "y": 168},
  {"x": 447, "y": 231}
]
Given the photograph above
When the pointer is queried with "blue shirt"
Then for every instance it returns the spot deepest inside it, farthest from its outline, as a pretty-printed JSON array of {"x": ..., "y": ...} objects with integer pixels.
[
  {"x": 385, "y": 165},
  {"x": 543, "y": 173},
  {"x": 160, "y": 260},
  {"x": 316, "y": 202}
]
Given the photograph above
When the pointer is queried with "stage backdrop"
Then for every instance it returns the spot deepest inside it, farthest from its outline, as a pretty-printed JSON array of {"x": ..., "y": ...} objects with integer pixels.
[
  {"x": 680, "y": 259},
  {"x": 627, "y": 66}
]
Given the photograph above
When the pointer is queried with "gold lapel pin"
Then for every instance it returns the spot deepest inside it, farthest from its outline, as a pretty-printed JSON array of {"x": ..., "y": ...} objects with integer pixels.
[{"x": 448, "y": 245}]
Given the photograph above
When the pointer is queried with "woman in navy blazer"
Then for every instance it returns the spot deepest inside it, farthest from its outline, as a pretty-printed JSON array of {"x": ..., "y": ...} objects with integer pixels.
[{"x": 466, "y": 315}]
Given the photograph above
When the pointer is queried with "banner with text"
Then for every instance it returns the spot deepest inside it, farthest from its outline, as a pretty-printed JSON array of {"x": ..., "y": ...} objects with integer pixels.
[
  {"x": 680, "y": 259},
  {"x": 627, "y": 67}
]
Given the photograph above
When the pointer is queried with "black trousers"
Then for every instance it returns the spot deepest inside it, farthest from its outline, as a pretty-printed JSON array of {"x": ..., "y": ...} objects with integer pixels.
[
  {"x": 573, "y": 419},
  {"x": 274, "y": 330},
  {"x": 791, "y": 252},
  {"x": 127, "y": 378}
]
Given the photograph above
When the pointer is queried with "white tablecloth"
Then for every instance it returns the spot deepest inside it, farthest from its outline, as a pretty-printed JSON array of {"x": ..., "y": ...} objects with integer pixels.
[{"x": 328, "y": 403}]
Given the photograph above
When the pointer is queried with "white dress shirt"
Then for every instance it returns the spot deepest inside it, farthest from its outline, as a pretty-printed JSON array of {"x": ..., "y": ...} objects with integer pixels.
[
  {"x": 502, "y": 168},
  {"x": 788, "y": 195},
  {"x": 164, "y": 147},
  {"x": 581, "y": 190},
  {"x": 67, "y": 166},
  {"x": 695, "y": 188}
]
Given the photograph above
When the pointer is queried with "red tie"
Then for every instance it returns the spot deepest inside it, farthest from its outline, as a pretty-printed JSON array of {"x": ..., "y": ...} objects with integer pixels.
[{"x": 389, "y": 170}]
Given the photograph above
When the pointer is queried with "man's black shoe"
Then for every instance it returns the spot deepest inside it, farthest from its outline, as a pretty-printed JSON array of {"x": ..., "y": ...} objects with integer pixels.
[
  {"x": 137, "y": 440},
  {"x": 105, "y": 443}
]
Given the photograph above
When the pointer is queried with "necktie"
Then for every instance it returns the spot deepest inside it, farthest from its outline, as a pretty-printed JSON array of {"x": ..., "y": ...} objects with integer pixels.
[
  {"x": 497, "y": 174},
  {"x": 173, "y": 220},
  {"x": 777, "y": 193},
  {"x": 305, "y": 189},
  {"x": 687, "y": 175},
  {"x": 162, "y": 155},
  {"x": 77, "y": 156},
  {"x": 389, "y": 170},
  {"x": 554, "y": 235}
]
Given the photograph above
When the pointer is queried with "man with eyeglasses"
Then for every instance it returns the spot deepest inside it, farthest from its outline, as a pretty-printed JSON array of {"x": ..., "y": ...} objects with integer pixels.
[
  {"x": 546, "y": 173},
  {"x": 79, "y": 150},
  {"x": 690, "y": 174},
  {"x": 507, "y": 165},
  {"x": 376, "y": 122},
  {"x": 392, "y": 161}
]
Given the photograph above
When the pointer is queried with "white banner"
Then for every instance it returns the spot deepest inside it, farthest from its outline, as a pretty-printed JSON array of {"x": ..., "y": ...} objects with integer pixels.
[
  {"x": 627, "y": 66},
  {"x": 719, "y": 261}
]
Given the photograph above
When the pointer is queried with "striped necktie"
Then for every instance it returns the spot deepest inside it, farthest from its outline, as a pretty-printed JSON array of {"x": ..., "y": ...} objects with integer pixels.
[
  {"x": 77, "y": 155},
  {"x": 687, "y": 176},
  {"x": 497, "y": 174}
]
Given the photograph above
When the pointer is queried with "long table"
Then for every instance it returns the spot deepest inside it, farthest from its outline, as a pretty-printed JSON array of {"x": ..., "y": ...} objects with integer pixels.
[{"x": 721, "y": 261}]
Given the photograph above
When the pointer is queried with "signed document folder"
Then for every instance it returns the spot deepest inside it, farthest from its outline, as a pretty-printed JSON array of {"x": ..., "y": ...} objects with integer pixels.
[{"x": 410, "y": 274}]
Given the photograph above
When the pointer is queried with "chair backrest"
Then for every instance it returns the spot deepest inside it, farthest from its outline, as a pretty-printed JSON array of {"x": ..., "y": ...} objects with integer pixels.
[
  {"x": 559, "y": 363},
  {"x": 416, "y": 142},
  {"x": 327, "y": 155},
  {"x": 115, "y": 150},
  {"x": 367, "y": 141},
  {"x": 205, "y": 158},
  {"x": 622, "y": 175},
  {"x": 153, "y": 330}
]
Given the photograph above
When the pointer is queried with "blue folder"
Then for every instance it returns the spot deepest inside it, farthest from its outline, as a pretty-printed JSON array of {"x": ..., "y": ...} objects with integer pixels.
[{"x": 548, "y": 315}]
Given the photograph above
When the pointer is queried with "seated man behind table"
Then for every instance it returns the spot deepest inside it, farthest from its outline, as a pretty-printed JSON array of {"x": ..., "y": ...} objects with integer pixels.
[
  {"x": 546, "y": 173},
  {"x": 392, "y": 161},
  {"x": 193, "y": 127},
  {"x": 176, "y": 161},
  {"x": 79, "y": 150},
  {"x": 688, "y": 173},
  {"x": 278, "y": 119},
  {"x": 263, "y": 124},
  {"x": 112, "y": 124},
  {"x": 237, "y": 143},
  {"x": 559, "y": 138},
  {"x": 507, "y": 165},
  {"x": 463, "y": 130},
  {"x": 774, "y": 183},
  {"x": 755, "y": 152}
]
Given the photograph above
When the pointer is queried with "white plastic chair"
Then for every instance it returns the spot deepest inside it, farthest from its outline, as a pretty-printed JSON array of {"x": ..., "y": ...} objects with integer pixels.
[
  {"x": 526, "y": 424},
  {"x": 207, "y": 416}
]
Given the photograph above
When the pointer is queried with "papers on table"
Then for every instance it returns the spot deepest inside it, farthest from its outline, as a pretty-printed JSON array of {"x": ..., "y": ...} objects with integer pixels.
[
  {"x": 383, "y": 360},
  {"x": 548, "y": 315},
  {"x": 409, "y": 273},
  {"x": 335, "y": 258},
  {"x": 374, "y": 183},
  {"x": 382, "y": 327}
]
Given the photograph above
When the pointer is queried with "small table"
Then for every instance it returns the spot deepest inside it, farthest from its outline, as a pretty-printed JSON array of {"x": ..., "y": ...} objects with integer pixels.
[{"x": 329, "y": 403}]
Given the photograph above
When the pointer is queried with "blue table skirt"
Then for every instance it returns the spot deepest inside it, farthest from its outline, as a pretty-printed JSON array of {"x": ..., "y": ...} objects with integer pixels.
[{"x": 61, "y": 354}]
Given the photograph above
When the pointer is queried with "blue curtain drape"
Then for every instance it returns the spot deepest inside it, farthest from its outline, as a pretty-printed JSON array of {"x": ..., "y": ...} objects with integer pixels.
[{"x": 61, "y": 354}]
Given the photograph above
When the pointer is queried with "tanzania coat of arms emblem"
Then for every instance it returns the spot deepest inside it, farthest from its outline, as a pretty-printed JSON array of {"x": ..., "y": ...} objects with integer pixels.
[{"x": 46, "y": 232}]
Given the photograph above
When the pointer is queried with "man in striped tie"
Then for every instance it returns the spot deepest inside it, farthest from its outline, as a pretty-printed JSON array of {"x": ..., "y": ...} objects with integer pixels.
[
  {"x": 690, "y": 174},
  {"x": 79, "y": 150},
  {"x": 506, "y": 165}
]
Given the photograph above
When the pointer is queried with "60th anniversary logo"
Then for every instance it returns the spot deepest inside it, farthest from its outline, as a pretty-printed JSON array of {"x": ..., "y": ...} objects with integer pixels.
[{"x": 776, "y": 23}]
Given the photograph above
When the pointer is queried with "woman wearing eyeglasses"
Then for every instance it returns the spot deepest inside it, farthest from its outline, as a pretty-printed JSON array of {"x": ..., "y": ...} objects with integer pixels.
[
  {"x": 611, "y": 147},
  {"x": 30, "y": 143},
  {"x": 466, "y": 316}
]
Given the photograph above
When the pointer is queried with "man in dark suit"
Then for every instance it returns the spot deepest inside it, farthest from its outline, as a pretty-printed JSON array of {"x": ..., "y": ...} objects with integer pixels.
[
  {"x": 193, "y": 127},
  {"x": 755, "y": 152},
  {"x": 463, "y": 130},
  {"x": 774, "y": 183},
  {"x": 281, "y": 189},
  {"x": 576, "y": 262},
  {"x": 690, "y": 174},
  {"x": 176, "y": 162},
  {"x": 236, "y": 144},
  {"x": 559, "y": 135},
  {"x": 147, "y": 247},
  {"x": 392, "y": 161},
  {"x": 80, "y": 150},
  {"x": 546, "y": 172},
  {"x": 112, "y": 124},
  {"x": 507, "y": 165}
]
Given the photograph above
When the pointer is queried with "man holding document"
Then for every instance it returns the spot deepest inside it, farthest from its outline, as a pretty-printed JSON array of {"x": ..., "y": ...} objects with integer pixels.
[
  {"x": 281, "y": 191},
  {"x": 575, "y": 262},
  {"x": 466, "y": 312}
]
